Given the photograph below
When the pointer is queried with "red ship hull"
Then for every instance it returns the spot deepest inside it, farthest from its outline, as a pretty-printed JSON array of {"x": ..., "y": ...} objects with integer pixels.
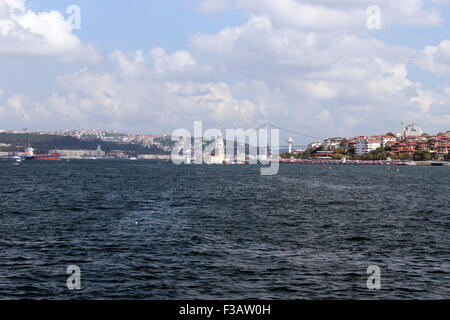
[{"x": 43, "y": 157}]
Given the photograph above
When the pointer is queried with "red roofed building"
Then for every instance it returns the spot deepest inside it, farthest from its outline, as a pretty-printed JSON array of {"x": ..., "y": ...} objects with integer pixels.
[
  {"x": 402, "y": 148},
  {"x": 443, "y": 149}
]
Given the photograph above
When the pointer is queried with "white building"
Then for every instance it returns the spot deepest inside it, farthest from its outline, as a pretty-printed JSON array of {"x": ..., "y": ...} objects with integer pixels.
[
  {"x": 218, "y": 156},
  {"x": 387, "y": 139},
  {"x": 413, "y": 130},
  {"x": 314, "y": 145},
  {"x": 331, "y": 144},
  {"x": 364, "y": 146},
  {"x": 384, "y": 140},
  {"x": 99, "y": 153}
]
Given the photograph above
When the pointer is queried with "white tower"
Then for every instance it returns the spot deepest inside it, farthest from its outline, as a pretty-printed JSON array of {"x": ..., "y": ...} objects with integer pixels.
[
  {"x": 220, "y": 148},
  {"x": 290, "y": 142}
]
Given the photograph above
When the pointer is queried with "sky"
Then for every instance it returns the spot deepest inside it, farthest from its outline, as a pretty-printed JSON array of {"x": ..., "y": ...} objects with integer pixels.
[{"x": 321, "y": 67}]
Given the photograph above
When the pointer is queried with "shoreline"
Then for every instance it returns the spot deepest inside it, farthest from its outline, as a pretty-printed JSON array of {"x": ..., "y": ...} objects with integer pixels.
[{"x": 369, "y": 162}]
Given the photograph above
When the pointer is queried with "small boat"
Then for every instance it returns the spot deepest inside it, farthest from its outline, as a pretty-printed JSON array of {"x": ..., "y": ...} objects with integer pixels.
[
  {"x": 133, "y": 158},
  {"x": 18, "y": 161},
  {"x": 437, "y": 164}
]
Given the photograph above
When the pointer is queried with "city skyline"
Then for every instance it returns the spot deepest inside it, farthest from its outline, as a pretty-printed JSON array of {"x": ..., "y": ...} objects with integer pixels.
[
  {"x": 74, "y": 131},
  {"x": 312, "y": 65}
]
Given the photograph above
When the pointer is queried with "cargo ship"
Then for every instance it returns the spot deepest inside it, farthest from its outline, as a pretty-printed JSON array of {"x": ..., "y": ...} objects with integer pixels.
[{"x": 31, "y": 155}]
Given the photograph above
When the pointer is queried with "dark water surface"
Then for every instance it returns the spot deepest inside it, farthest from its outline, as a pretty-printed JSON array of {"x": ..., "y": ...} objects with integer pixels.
[{"x": 140, "y": 230}]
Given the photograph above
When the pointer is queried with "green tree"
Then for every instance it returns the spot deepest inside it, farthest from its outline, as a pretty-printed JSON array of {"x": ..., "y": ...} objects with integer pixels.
[
  {"x": 422, "y": 156},
  {"x": 306, "y": 155},
  {"x": 404, "y": 156},
  {"x": 343, "y": 143},
  {"x": 418, "y": 156},
  {"x": 286, "y": 155}
]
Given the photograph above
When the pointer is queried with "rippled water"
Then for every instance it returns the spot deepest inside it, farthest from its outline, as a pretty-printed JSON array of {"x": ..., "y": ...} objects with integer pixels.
[{"x": 141, "y": 230}]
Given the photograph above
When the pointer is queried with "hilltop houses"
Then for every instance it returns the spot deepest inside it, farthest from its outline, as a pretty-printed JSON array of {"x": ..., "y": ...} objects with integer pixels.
[{"x": 412, "y": 140}]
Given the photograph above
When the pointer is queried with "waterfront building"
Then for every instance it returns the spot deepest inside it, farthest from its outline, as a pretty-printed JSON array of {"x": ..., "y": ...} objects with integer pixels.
[
  {"x": 118, "y": 154},
  {"x": 421, "y": 145},
  {"x": 331, "y": 144},
  {"x": 402, "y": 148},
  {"x": 323, "y": 155},
  {"x": 443, "y": 149},
  {"x": 79, "y": 154},
  {"x": 299, "y": 152},
  {"x": 366, "y": 145},
  {"x": 217, "y": 156},
  {"x": 314, "y": 145},
  {"x": 385, "y": 140},
  {"x": 434, "y": 142},
  {"x": 147, "y": 156},
  {"x": 351, "y": 144},
  {"x": 154, "y": 156}
]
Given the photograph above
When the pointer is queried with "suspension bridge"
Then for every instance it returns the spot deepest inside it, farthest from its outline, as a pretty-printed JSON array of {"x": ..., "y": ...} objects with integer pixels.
[{"x": 268, "y": 126}]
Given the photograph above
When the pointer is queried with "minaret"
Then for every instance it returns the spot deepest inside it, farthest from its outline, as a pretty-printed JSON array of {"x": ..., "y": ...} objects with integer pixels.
[{"x": 403, "y": 128}]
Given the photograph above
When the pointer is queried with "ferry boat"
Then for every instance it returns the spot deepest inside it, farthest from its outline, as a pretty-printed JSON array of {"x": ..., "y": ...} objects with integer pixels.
[{"x": 31, "y": 155}]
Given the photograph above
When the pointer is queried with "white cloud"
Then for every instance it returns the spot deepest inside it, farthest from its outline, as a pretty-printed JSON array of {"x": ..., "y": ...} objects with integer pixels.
[
  {"x": 27, "y": 33},
  {"x": 297, "y": 14},
  {"x": 413, "y": 13},
  {"x": 161, "y": 64},
  {"x": 179, "y": 61},
  {"x": 391, "y": 80},
  {"x": 99, "y": 99},
  {"x": 319, "y": 74},
  {"x": 16, "y": 109},
  {"x": 330, "y": 14},
  {"x": 424, "y": 99},
  {"x": 435, "y": 58},
  {"x": 332, "y": 77},
  {"x": 132, "y": 65}
]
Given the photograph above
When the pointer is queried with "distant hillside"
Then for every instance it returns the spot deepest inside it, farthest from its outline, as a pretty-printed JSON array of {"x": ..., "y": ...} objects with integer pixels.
[{"x": 44, "y": 143}]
